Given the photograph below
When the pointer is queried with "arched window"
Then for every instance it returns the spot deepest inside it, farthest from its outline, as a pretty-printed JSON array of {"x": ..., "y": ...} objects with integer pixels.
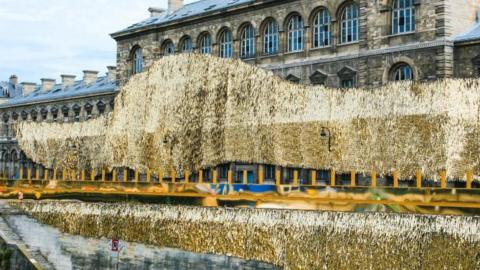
[
  {"x": 403, "y": 72},
  {"x": 137, "y": 60},
  {"x": 322, "y": 29},
  {"x": 247, "y": 45},
  {"x": 186, "y": 45},
  {"x": 205, "y": 44},
  {"x": 168, "y": 48},
  {"x": 349, "y": 25},
  {"x": 270, "y": 37},
  {"x": 226, "y": 44},
  {"x": 403, "y": 16},
  {"x": 295, "y": 34}
]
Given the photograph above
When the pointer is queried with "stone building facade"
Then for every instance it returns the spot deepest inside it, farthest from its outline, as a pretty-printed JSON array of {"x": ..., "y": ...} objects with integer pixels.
[
  {"x": 69, "y": 101},
  {"x": 337, "y": 43}
]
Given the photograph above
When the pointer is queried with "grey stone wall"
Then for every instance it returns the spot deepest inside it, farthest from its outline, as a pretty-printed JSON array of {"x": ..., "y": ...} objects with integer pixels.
[
  {"x": 11, "y": 156},
  {"x": 435, "y": 20},
  {"x": 467, "y": 60}
]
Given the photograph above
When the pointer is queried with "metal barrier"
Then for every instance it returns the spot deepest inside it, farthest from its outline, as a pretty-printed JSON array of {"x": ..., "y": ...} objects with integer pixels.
[{"x": 160, "y": 177}]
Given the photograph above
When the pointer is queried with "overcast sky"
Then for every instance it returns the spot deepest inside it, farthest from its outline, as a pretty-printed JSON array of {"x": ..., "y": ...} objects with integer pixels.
[{"x": 46, "y": 38}]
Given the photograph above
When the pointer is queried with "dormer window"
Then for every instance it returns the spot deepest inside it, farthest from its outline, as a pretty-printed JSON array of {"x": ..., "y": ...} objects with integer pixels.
[
  {"x": 44, "y": 113},
  {"x": 348, "y": 77},
  {"x": 88, "y": 109},
  {"x": 65, "y": 111},
  {"x": 34, "y": 114},
  {"x": 54, "y": 112},
  {"x": 318, "y": 78},
  {"x": 6, "y": 117},
  {"x": 5, "y": 92},
  {"x": 15, "y": 116},
  {"x": 292, "y": 78},
  {"x": 101, "y": 107},
  {"x": 24, "y": 115},
  {"x": 76, "y": 110}
]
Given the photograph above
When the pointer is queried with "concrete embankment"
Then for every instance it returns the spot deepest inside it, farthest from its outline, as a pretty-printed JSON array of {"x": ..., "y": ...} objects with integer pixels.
[
  {"x": 14, "y": 253},
  {"x": 288, "y": 238}
]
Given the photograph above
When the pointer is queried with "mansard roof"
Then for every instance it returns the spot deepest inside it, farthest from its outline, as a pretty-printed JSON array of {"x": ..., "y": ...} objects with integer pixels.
[
  {"x": 8, "y": 90},
  {"x": 103, "y": 85},
  {"x": 470, "y": 35},
  {"x": 199, "y": 8}
]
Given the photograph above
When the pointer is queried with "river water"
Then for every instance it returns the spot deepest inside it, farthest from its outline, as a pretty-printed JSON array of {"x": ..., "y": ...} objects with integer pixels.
[{"x": 66, "y": 251}]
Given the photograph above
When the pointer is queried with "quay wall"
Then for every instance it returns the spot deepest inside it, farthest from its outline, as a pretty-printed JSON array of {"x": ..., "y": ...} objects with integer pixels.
[{"x": 291, "y": 239}]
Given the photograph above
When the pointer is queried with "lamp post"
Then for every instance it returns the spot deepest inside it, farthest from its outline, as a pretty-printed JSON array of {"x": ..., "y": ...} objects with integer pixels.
[{"x": 326, "y": 135}]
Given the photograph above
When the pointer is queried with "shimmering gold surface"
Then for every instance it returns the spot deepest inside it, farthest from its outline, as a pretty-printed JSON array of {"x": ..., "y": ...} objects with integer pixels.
[
  {"x": 194, "y": 111},
  {"x": 289, "y": 238}
]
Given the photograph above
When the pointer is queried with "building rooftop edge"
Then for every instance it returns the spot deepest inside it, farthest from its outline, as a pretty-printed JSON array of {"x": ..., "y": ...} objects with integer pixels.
[{"x": 196, "y": 9}]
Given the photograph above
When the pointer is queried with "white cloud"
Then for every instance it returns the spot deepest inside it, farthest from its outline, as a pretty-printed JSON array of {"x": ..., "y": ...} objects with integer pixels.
[{"x": 51, "y": 37}]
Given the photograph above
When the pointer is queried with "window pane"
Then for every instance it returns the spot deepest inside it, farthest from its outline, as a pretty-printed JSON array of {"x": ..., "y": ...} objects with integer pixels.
[
  {"x": 403, "y": 16},
  {"x": 350, "y": 26},
  {"x": 321, "y": 29},
  {"x": 138, "y": 61},
  {"x": 403, "y": 72},
  {"x": 226, "y": 49},
  {"x": 206, "y": 44},
  {"x": 187, "y": 45},
  {"x": 271, "y": 37},
  {"x": 295, "y": 34}
]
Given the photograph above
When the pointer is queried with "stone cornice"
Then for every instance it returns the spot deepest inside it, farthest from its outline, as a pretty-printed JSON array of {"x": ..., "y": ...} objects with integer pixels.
[
  {"x": 52, "y": 101},
  {"x": 193, "y": 19},
  {"x": 362, "y": 54}
]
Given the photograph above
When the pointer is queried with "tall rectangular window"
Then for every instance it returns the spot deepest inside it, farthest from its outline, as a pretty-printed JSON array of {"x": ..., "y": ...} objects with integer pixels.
[
  {"x": 321, "y": 29},
  {"x": 270, "y": 38},
  {"x": 403, "y": 16},
  {"x": 295, "y": 34},
  {"x": 349, "y": 24}
]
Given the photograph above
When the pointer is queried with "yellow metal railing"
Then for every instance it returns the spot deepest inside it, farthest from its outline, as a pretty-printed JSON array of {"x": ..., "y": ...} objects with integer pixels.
[{"x": 58, "y": 174}]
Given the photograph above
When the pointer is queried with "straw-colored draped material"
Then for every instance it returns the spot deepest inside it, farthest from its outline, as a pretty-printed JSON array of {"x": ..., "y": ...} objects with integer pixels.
[{"x": 192, "y": 111}]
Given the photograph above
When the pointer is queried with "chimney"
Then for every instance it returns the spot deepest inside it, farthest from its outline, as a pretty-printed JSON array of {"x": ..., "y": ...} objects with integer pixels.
[
  {"x": 174, "y": 5},
  {"x": 156, "y": 12},
  {"x": 89, "y": 76},
  {"x": 14, "y": 79},
  {"x": 28, "y": 88},
  {"x": 47, "y": 84},
  {"x": 112, "y": 73},
  {"x": 67, "y": 80}
]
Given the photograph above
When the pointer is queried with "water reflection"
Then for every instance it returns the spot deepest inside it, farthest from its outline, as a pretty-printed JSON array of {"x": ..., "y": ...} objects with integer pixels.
[{"x": 67, "y": 251}]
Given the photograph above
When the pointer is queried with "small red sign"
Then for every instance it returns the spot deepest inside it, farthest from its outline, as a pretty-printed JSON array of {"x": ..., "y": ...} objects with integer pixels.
[{"x": 115, "y": 245}]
